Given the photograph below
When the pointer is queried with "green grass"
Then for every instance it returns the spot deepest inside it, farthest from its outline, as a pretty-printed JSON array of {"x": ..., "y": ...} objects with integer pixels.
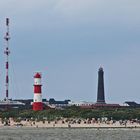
[{"x": 74, "y": 112}]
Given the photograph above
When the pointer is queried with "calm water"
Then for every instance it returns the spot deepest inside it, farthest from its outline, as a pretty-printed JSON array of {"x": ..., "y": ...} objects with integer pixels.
[{"x": 68, "y": 134}]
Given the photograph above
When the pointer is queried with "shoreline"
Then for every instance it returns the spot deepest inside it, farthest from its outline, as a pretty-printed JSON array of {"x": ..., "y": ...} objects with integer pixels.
[
  {"x": 43, "y": 128},
  {"x": 71, "y": 127}
]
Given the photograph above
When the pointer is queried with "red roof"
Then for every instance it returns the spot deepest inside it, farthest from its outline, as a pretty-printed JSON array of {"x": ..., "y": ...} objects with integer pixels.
[
  {"x": 99, "y": 106},
  {"x": 37, "y": 75}
]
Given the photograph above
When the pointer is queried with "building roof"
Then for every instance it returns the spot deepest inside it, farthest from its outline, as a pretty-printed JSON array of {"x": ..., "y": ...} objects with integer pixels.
[
  {"x": 53, "y": 101},
  {"x": 132, "y": 104}
]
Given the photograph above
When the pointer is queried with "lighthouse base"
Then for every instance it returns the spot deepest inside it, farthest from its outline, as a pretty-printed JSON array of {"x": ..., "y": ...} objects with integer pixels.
[{"x": 37, "y": 106}]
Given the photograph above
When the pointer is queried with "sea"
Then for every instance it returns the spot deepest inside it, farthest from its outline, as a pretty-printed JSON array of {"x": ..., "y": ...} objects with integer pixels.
[{"x": 68, "y": 134}]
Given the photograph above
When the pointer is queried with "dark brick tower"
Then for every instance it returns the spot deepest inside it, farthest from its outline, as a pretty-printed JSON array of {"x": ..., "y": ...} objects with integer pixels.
[{"x": 100, "y": 92}]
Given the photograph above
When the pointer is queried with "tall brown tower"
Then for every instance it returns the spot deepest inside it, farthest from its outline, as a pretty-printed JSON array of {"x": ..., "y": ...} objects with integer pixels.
[{"x": 100, "y": 92}]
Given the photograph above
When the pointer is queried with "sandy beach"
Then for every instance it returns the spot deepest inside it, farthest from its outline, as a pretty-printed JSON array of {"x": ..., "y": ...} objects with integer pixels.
[{"x": 70, "y": 123}]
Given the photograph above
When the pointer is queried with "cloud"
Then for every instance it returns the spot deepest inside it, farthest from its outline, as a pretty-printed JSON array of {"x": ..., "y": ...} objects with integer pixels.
[
  {"x": 70, "y": 39},
  {"x": 64, "y": 13}
]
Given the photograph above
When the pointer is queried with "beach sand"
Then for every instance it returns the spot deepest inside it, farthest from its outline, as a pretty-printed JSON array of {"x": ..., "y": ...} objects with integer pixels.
[{"x": 71, "y": 123}]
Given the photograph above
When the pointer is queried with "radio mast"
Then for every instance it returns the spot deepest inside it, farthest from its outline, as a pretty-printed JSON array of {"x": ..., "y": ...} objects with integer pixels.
[{"x": 7, "y": 52}]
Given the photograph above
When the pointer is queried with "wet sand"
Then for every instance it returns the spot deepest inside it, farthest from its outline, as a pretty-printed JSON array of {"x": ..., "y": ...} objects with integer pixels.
[{"x": 23, "y": 133}]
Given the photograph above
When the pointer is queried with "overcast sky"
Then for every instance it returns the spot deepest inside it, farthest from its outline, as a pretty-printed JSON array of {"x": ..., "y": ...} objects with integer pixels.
[{"x": 67, "y": 41}]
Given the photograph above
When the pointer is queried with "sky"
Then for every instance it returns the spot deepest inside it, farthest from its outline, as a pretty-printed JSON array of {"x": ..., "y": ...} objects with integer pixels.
[{"x": 67, "y": 41}]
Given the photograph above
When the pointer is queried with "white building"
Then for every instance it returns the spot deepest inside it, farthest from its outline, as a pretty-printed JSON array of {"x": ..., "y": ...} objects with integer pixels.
[{"x": 81, "y": 103}]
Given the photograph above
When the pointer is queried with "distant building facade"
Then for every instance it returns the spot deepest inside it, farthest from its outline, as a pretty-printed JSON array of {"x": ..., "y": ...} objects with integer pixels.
[
  {"x": 80, "y": 103},
  {"x": 56, "y": 104}
]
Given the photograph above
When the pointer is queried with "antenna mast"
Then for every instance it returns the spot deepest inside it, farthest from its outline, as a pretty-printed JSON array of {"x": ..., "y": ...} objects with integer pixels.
[{"x": 7, "y": 52}]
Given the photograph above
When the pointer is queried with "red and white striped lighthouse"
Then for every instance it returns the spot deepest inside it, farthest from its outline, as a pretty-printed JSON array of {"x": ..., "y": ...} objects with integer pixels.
[{"x": 37, "y": 104}]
